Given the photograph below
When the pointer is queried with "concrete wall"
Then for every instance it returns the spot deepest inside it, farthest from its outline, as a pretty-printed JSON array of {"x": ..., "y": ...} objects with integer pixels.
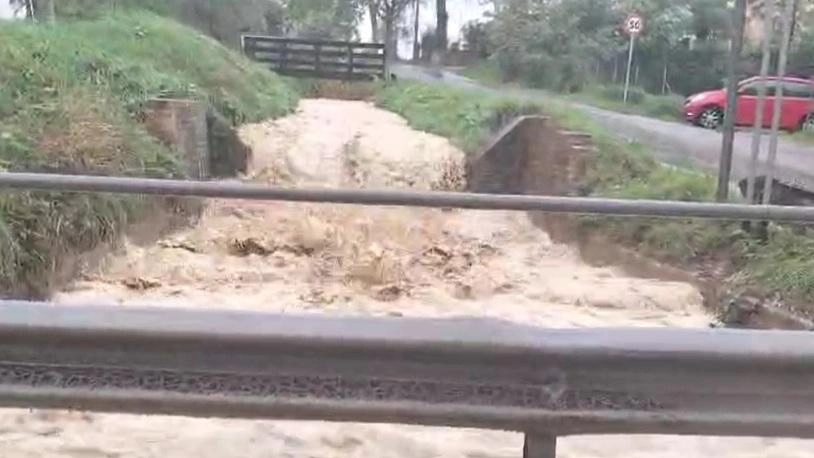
[{"x": 531, "y": 155}]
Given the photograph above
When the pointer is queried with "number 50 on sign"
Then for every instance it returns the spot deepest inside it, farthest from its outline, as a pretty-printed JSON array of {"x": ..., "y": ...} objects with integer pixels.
[{"x": 634, "y": 24}]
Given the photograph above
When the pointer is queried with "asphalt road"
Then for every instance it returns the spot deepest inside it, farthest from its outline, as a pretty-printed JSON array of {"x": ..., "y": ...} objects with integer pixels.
[{"x": 671, "y": 142}]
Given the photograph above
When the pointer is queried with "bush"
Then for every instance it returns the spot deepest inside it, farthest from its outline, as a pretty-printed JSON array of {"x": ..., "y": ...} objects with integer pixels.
[
  {"x": 663, "y": 106},
  {"x": 635, "y": 95}
]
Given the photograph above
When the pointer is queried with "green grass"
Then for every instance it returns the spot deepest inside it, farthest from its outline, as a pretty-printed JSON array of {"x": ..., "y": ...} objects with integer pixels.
[
  {"x": 466, "y": 118},
  {"x": 784, "y": 263},
  {"x": 71, "y": 97},
  {"x": 609, "y": 97},
  {"x": 484, "y": 71},
  {"x": 666, "y": 107},
  {"x": 804, "y": 137}
]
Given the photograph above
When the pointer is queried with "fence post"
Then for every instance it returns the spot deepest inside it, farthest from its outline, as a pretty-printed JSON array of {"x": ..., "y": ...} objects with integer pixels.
[
  {"x": 350, "y": 61},
  {"x": 537, "y": 445},
  {"x": 284, "y": 57},
  {"x": 317, "y": 52}
]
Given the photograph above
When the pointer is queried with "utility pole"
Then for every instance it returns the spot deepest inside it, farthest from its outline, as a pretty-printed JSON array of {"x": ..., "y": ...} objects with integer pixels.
[
  {"x": 736, "y": 37},
  {"x": 757, "y": 132},
  {"x": 788, "y": 14},
  {"x": 416, "y": 42}
]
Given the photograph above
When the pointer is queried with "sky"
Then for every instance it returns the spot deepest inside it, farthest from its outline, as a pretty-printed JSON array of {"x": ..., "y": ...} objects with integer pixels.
[{"x": 5, "y": 10}]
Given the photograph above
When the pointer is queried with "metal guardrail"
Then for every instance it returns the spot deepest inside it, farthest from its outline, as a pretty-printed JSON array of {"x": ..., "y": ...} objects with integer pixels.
[
  {"x": 345, "y": 60},
  {"x": 460, "y": 372},
  {"x": 447, "y": 372},
  {"x": 553, "y": 204}
]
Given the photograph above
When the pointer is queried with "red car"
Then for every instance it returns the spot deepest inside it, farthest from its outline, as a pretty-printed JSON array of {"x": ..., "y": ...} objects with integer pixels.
[{"x": 707, "y": 108}]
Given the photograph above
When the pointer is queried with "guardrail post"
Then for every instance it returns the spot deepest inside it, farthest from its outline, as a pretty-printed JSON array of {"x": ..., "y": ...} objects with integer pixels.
[{"x": 539, "y": 446}]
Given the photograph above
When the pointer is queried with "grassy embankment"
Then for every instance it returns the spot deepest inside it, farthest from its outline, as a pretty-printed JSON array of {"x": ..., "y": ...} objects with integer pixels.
[
  {"x": 784, "y": 264},
  {"x": 71, "y": 96},
  {"x": 609, "y": 97}
]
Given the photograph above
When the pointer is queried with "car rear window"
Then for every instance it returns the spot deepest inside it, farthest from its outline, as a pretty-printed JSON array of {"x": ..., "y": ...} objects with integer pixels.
[{"x": 798, "y": 89}]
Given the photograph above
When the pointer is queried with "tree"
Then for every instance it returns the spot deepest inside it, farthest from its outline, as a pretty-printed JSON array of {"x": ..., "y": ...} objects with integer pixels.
[
  {"x": 441, "y": 22},
  {"x": 390, "y": 11},
  {"x": 324, "y": 18},
  {"x": 373, "y": 11},
  {"x": 25, "y": 6}
]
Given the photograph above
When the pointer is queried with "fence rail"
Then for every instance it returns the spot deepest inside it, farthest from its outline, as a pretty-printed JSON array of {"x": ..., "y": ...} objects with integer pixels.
[
  {"x": 554, "y": 204},
  {"x": 344, "y": 60},
  {"x": 447, "y": 372}
]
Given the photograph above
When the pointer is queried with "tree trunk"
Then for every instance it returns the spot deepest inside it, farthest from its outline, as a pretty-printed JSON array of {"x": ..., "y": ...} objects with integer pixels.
[
  {"x": 441, "y": 38},
  {"x": 52, "y": 12},
  {"x": 389, "y": 48},
  {"x": 416, "y": 42},
  {"x": 374, "y": 21}
]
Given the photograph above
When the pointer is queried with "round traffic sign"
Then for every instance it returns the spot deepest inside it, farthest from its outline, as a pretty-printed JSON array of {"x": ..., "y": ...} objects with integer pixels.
[{"x": 634, "y": 24}]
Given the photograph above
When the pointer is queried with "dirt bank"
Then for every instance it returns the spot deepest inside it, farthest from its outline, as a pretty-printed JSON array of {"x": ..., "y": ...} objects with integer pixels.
[{"x": 353, "y": 260}]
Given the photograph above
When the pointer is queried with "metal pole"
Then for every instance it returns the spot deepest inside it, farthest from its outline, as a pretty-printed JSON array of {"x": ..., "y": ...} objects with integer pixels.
[
  {"x": 757, "y": 132},
  {"x": 539, "y": 446},
  {"x": 778, "y": 102},
  {"x": 429, "y": 199},
  {"x": 629, "y": 64},
  {"x": 725, "y": 164}
]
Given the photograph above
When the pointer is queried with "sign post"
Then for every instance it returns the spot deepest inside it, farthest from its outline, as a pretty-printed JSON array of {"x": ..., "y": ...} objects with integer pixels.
[{"x": 633, "y": 26}]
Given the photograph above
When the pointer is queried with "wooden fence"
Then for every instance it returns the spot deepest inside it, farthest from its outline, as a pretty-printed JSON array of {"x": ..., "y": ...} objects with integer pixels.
[{"x": 344, "y": 60}]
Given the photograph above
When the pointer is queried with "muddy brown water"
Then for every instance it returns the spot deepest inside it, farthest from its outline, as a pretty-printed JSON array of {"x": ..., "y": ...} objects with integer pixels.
[{"x": 333, "y": 259}]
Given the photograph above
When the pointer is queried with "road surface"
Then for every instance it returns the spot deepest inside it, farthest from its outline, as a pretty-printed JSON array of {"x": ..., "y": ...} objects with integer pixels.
[{"x": 674, "y": 143}]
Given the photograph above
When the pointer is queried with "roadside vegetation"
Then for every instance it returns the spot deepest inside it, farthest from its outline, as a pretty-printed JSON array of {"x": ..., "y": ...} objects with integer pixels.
[
  {"x": 577, "y": 48},
  {"x": 783, "y": 264},
  {"x": 607, "y": 96},
  {"x": 72, "y": 97}
]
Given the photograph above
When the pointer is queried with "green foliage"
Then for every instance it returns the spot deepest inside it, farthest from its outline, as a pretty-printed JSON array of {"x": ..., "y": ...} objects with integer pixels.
[
  {"x": 72, "y": 95},
  {"x": 324, "y": 18},
  {"x": 784, "y": 264},
  {"x": 569, "y": 45}
]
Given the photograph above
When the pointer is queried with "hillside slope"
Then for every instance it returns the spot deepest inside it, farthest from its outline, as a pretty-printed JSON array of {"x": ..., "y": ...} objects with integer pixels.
[{"x": 71, "y": 96}]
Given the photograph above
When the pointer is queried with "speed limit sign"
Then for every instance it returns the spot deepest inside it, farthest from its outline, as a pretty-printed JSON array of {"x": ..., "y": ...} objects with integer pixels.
[{"x": 634, "y": 24}]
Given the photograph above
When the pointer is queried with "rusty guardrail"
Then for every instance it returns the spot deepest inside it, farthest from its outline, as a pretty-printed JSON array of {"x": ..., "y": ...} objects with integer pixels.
[
  {"x": 452, "y": 372},
  {"x": 437, "y": 199}
]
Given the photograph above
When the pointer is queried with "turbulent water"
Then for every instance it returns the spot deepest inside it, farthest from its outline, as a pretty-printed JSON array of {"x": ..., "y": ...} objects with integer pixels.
[{"x": 336, "y": 259}]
